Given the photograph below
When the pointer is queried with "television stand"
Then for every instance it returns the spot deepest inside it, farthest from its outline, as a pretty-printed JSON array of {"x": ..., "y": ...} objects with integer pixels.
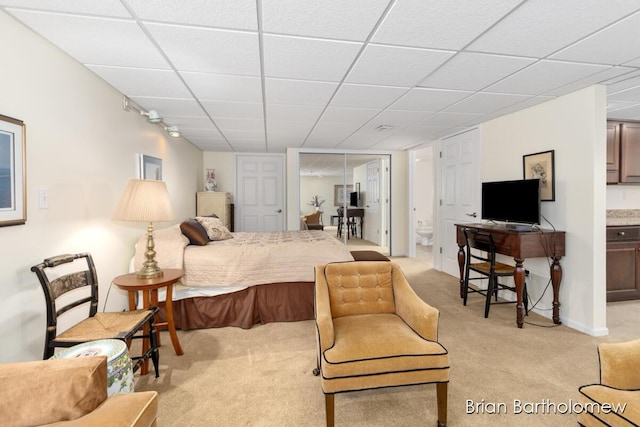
[{"x": 521, "y": 228}]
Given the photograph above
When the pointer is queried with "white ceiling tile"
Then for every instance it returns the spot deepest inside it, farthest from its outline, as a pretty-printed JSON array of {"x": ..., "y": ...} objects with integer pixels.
[
  {"x": 331, "y": 133},
  {"x": 349, "y": 115},
  {"x": 247, "y": 110},
  {"x": 421, "y": 99},
  {"x": 530, "y": 102},
  {"x": 613, "y": 106},
  {"x": 439, "y": 23},
  {"x": 607, "y": 46},
  {"x": 143, "y": 81},
  {"x": 474, "y": 71},
  {"x": 629, "y": 95},
  {"x": 539, "y": 28},
  {"x": 293, "y": 112},
  {"x": 598, "y": 78},
  {"x": 170, "y": 106},
  {"x": 300, "y": 128},
  {"x": 249, "y": 146},
  {"x": 448, "y": 119},
  {"x": 484, "y": 103},
  {"x": 113, "y": 8},
  {"x": 327, "y": 19},
  {"x": 630, "y": 113},
  {"x": 244, "y": 134},
  {"x": 203, "y": 123},
  {"x": 544, "y": 76},
  {"x": 396, "y": 118},
  {"x": 224, "y": 87},
  {"x": 633, "y": 63},
  {"x": 234, "y": 14},
  {"x": 209, "y": 145},
  {"x": 395, "y": 66},
  {"x": 99, "y": 41},
  {"x": 308, "y": 59},
  {"x": 623, "y": 82},
  {"x": 363, "y": 96},
  {"x": 228, "y": 124},
  {"x": 208, "y": 50},
  {"x": 298, "y": 92},
  {"x": 208, "y": 134}
]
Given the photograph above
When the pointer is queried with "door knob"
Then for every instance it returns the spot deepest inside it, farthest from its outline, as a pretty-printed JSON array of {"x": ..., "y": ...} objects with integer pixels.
[
  {"x": 279, "y": 211},
  {"x": 472, "y": 214}
]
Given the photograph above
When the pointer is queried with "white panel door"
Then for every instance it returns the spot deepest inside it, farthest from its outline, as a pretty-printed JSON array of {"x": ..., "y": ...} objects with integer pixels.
[
  {"x": 372, "y": 221},
  {"x": 260, "y": 193},
  {"x": 460, "y": 196}
]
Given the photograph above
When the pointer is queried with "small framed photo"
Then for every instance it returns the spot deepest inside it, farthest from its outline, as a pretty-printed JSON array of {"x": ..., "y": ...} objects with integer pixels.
[
  {"x": 341, "y": 194},
  {"x": 13, "y": 172},
  {"x": 150, "y": 168},
  {"x": 541, "y": 165}
]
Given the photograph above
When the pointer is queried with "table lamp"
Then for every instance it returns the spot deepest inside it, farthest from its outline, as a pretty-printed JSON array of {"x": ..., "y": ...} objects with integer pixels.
[{"x": 145, "y": 201}]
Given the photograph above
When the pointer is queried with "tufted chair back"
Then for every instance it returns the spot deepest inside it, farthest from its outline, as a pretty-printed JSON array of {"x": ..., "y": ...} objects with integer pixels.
[{"x": 360, "y": 288}]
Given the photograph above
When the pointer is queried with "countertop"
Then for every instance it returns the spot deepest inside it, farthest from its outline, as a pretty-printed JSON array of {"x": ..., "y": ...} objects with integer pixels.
[{"x": 622, "y": 217}]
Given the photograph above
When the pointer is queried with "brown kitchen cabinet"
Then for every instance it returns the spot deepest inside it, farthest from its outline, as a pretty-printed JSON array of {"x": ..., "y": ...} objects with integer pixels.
[
  {"x": 623, "y": 152},
  {"x": 623, "y": 263}
]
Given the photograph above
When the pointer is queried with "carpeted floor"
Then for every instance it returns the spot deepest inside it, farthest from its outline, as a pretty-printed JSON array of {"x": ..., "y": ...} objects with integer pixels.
[{"x": 263, "y": 376}]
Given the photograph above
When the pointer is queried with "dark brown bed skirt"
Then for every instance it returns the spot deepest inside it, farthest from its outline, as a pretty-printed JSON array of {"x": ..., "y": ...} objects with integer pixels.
[{"x": 275, "y": 302}]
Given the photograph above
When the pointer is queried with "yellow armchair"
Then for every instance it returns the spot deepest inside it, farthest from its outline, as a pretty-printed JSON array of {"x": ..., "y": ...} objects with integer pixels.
[
  {"x": 374, "y": 331},
  {"x": 615, "y": 401},
  {"x": 69, "y": 392}
]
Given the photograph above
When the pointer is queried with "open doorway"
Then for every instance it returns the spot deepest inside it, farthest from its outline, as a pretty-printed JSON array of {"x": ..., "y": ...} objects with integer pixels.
[
  {"x": 352, "y": 194},
  {"x": 422, "y": 227}
]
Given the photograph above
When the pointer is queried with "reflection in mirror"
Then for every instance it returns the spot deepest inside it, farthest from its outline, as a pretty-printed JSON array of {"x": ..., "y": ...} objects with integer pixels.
[{"x": 349, "y": 194}]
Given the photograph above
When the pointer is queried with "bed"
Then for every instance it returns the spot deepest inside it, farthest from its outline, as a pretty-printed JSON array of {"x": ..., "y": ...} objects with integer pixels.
[{"x": 244, "y": 279}]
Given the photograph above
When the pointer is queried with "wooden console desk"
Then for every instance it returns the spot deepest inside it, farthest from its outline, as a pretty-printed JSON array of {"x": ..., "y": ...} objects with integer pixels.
[{"x": 521, "y": 245}]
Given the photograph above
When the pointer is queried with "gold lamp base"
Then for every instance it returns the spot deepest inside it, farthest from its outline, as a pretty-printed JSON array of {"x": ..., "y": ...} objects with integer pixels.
[{"x": 150, "y": 269}]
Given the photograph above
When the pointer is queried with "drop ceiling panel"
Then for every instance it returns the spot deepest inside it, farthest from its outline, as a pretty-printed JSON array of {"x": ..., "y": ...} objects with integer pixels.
[
  {"x": 298, "y": 92},
  {"x": 545, "y": 76},
  {"x": 96, "y": 41},
  {"x": 396, "y": 118},
  {"x": 308, "y": 59},
  {"x": 143, "y": 81},
  {"x": 233, "y": 109},
  {"x": 448, "y": 119},
  {"x": 628, "y": 95},
  {"x": 395, "y": 66},
  {"x": 363, "y": 96},
  {"x": 485, "y": 103},
  {"x": 235, "y": 14},
  {"x": 113, "y": 8},
  {"x": 420, "y": 99},
  {"x": 614, "y": 45},
  {"x": 349, "y": 115},
  {"x": 327, "y": 19},
  {"x": 598, "y": 78},
  {"x": 540, "y": 28},
  {"x": 629, "y": 113},
  {"x": 436, "y": 24},
  {"x": 184, "y": 123},
  {"x": 226, "y": 124},
  {"x": 474, "y": 71},
  {"x": 208, "y": 50},
  {"x": 204, "y": 134},
  {"x": 207, "y": 86},
  {"x": 293, "y": 112}
]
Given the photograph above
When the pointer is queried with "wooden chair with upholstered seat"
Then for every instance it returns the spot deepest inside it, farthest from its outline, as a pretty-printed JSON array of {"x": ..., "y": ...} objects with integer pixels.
[
  {"x": 70, "y": 282},
  {"x": 374, "y": 331},
  {"x": 481, "y": 260},
  {"x": 313, "y": 220}
]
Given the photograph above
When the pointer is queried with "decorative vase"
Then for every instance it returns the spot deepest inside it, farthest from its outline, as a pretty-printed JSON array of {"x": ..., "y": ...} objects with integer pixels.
[{"x": 210, "y": 183}]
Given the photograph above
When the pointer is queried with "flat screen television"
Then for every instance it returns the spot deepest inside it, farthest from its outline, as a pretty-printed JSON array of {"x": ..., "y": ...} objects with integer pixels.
[
  {"x": 512, "y": 201},
  {"x": 353, "y": 198}
]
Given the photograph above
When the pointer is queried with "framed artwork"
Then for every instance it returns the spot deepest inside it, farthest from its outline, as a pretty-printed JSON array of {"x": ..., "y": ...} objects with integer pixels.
[
  {"x": 13, "y": 174},
  {"x": 541, "y": 165},
  {"x": 150, "y": 168},
  {"x": 341, "y": 194}
]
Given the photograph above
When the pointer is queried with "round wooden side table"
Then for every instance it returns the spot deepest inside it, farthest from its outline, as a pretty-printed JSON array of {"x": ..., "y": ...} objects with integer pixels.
[{"x": 149, "y": 288}]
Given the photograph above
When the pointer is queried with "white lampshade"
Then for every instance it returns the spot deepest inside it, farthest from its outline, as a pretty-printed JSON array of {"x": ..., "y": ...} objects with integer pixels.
[{"x": 144, "y": 200}]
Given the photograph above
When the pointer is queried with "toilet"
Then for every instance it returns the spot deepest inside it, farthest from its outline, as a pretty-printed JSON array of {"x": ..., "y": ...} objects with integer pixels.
[{"x": 425, "y": 233}]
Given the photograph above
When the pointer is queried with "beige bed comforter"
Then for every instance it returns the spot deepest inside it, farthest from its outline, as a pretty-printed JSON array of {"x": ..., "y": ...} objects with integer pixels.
[{"x": 248, "y": 259}]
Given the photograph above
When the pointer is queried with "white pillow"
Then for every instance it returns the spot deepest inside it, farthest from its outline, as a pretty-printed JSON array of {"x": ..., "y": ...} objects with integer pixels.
[{"x": 215, "y": 228}]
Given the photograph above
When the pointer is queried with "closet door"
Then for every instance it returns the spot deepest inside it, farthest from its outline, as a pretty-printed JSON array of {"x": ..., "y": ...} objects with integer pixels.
[{"x": 260, "y": 193}]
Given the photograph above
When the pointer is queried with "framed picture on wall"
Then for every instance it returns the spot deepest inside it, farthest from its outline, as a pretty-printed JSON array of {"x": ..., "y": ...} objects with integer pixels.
[
  {"x": 541, "y": 165},
  {"x": 150, "y": 168},
  {"x": 13, "y": 174},
  {"x": 341, "y": 194}
]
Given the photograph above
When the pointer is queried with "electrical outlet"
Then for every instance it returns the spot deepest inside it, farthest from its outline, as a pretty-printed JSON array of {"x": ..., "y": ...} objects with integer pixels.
[{"x": 43, "y": 198}]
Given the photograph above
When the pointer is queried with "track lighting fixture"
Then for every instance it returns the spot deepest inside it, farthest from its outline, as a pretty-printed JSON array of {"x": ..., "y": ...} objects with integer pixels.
[
  {"x": 152, "y": 117},
  {"x": 173, "y": 131}
]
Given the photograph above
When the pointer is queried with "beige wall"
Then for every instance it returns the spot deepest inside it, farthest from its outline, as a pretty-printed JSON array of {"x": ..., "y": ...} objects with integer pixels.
[
  {"x": 575, "y": 127},
  {"x": 82, "y": 148}
]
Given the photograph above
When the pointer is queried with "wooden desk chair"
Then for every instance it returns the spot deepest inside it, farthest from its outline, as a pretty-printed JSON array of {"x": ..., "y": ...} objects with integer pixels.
[
  {"x": 481, "y": 259},
  {"x": 69, "y": 283}
]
